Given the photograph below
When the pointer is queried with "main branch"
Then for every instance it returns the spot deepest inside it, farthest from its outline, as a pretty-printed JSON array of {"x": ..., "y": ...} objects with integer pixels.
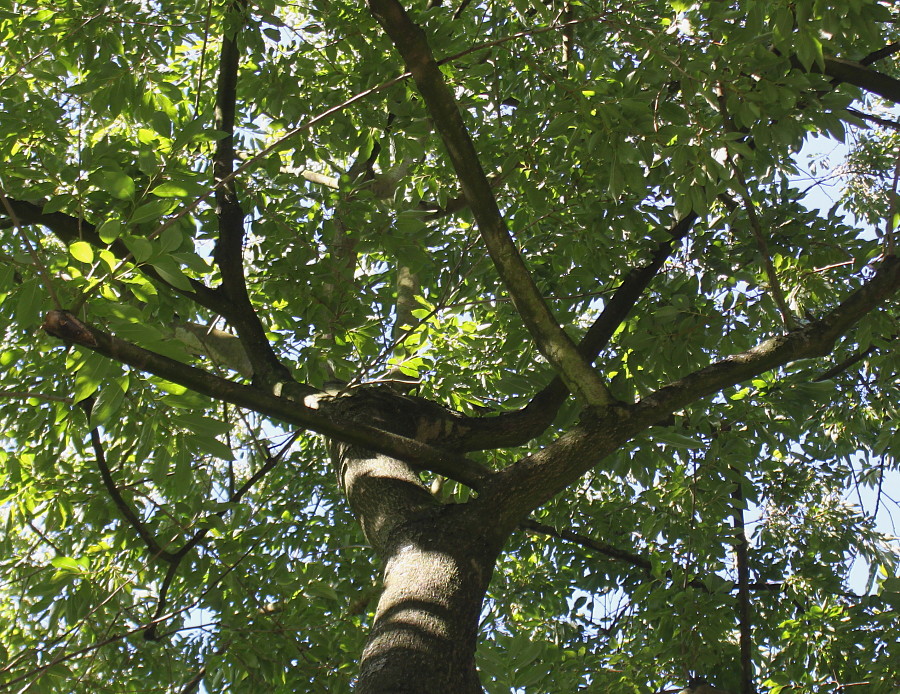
[
  {"x": 536, "y": 479},
  {"x": 552, "y": 341},
  {"x": 292, "y": 410},
  {"x": 519, "y": 427}
]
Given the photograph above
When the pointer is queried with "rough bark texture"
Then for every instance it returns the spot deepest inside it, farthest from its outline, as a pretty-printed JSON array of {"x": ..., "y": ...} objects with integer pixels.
[
  {"x": 437, "y": 563},
  {"x": 423, "y": 640}
]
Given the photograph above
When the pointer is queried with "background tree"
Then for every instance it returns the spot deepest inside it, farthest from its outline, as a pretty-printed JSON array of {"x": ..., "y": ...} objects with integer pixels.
[{"x": 372, "y": 335}]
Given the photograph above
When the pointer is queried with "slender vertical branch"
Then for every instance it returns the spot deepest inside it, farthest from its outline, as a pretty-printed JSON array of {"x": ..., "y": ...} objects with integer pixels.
[
  {"x": 745, "y": 628},
  {"x": 762, "y": 244},
  {"x": 341, "y": 246},
  {"x": 228, "y": 254},
  {"x": 568, "y": 34},
  {"x": 200, "y": 66},
  {"x": 407, "y": 284}
]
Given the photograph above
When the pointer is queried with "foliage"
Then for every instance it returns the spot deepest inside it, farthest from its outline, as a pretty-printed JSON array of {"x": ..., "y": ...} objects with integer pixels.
[{"x": 599, "y": 126}]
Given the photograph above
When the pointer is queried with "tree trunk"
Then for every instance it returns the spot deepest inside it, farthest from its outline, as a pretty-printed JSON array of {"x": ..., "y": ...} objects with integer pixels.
[
  {"x": 424, "y": 636},
  {"x": 437, "y": 559}
]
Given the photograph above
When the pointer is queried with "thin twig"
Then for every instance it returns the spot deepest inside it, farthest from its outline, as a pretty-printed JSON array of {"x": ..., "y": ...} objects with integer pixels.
[
  {"x": 889, "y": 226},
  {"x": 162, "y": 599},
  {"x": 762, "y": 245},
  {"x": 194, "y": 683},
  {"x": 153, "y": 546},
  {"x": 200, "y": 66}
]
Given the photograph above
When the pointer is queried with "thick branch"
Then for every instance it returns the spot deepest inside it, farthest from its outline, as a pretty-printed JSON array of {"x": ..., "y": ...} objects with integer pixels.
[
  {"x": 536, "y": 479},
  {"x": 880, "y": 54},
  {"x": 69, "y": 229},
  {"x": 293, "y": 410},
  {"x": 813, "y": 340},
  {"x": 517, "y": 428},
  {"x": 552, "y": 341},
  {"x": 859, "y": 75},
  {"x": 229, "y": 250}
]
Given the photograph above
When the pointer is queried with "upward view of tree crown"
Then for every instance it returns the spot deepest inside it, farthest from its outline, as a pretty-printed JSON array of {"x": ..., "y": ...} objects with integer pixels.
[{"x": 447, "y": 347}]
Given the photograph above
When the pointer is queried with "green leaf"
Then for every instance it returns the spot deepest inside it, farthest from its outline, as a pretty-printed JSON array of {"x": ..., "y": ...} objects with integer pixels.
[
  {"x": 320, "y": 590},
  {"x": 410, "y": 223},
  {"x": 170, "y": 190},
  {"x": 809, "y": 50},
  {"x": 150, "y": 211},
  {"x": 199, "y": 424},
  {"x": 57, "y": 203},
  {"x": 109, "y": 230},
  {"x": 169, "y": 240},
  {"x": 93, "y": 370},
  {"x": 676, "y": 440},
  {"x": 7, "y": 277},
  {"x": 212, "y": 446},
  {"x": 117, "y": 184},
  {"x": 182, "y": 474},
  {"x": 171, "y": 273},
  {"x": 139, "y": 247},
  {"x": 30, "y": 299},
  {"x": 108, "y": 403},
  {"x": 82, "y": 251},
  {"x": 67, "y": 564}
]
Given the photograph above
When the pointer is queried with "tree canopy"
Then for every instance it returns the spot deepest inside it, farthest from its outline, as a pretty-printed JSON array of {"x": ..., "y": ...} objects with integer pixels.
[{"x": 426, "y": 347}]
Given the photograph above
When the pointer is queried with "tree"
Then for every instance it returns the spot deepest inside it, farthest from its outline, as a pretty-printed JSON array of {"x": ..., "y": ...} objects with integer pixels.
[{"x": 338, "y": 336}]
